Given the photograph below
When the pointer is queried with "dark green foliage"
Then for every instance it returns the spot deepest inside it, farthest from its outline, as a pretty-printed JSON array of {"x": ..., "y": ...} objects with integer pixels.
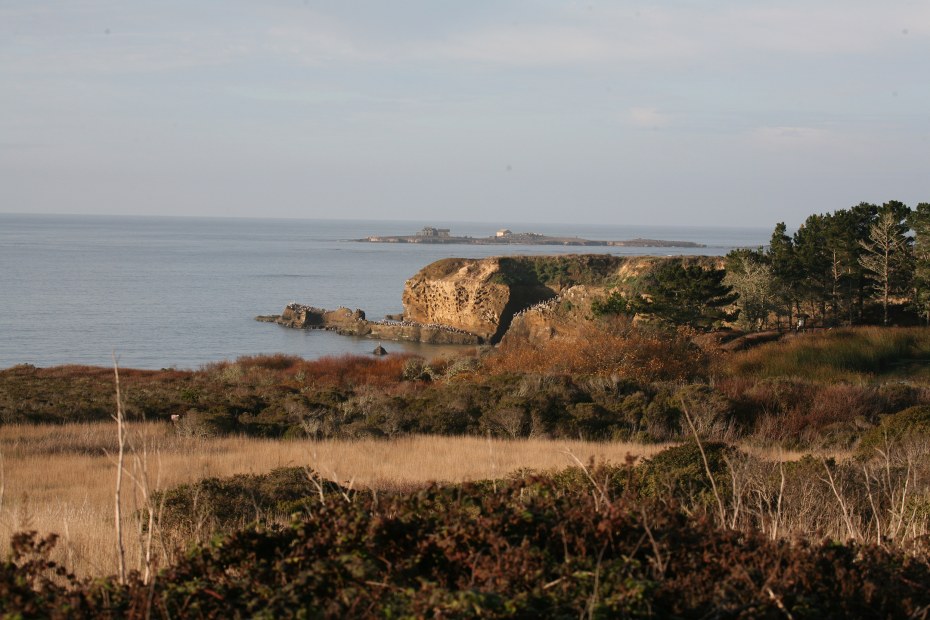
[
  {"x": 823, "y": 387},
  {"x": 225, "y": 503},
  {"x": 615, "y": 303},
  {"x": 573, "y": 545},
  {"x": 557, "y": 271},
  {"x": 29, "y": 394},
  {"x": 919, "y": 222},
  {"x": 849, "y": 288},
  {"x": 685, "y": 295},
  {"x": 680, "y": 472},
  {"x": 813, "y": 258},
  {"x": 785, "y": 269},
  {"x": 503, "y": 405},
  {"x": 836, "y": 262}
]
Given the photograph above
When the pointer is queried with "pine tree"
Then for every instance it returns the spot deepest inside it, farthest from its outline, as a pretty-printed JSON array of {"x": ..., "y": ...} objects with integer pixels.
[
  {"x": 887, "y": 257},
  {"x": 782, "y": 259},
  {"x": 919, "y": 222},
  {"x": 844, "y": 230},
  {"x": 814, "y": 262},
  {"x": 685, "y": 295}
]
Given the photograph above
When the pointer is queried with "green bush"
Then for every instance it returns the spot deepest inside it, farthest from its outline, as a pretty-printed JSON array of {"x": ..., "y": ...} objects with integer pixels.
[
  {"x": 226, "y": 503},
  {"x": 911, "y": 426},
  {"x": 680, "y": 472}
]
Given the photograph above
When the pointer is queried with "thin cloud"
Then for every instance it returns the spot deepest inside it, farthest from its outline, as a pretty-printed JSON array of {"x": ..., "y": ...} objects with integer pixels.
[
  {"x": 151, "y": 39},
  {"x": 687, "y": 35},
  {"x": 528, "y": 46},
  {"x": 810, "y": 29},
  {"x": 543, "y": 44},
  {"x": 649, "y": 118},
  {"x": 319, "y": 42},
  {"x": 787, "y": 137}
]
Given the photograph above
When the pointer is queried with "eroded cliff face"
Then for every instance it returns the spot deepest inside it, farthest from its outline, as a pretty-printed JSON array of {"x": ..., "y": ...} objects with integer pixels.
[
  {"x": 555, "y": 318},
  {"x": 457, "y": 293},
  {"x": 534, "y": 297},
  {"x": 478, "y": 296}
]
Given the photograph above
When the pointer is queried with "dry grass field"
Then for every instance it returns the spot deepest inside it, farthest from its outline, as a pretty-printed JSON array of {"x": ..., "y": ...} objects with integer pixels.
[{"x": 61, "y": 478}]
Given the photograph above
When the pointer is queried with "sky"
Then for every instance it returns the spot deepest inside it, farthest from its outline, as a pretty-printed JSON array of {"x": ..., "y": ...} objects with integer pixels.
[{"x": 741, "y": 113}]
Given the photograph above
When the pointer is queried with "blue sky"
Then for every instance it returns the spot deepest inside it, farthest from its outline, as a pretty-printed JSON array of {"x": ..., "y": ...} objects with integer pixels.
[{"x": 679, "y": 112}]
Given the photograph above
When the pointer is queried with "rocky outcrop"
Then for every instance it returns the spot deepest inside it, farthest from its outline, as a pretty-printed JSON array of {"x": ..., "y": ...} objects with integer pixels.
[
  {"x": 353, "y": 323},
  {"x": 466, "y": 294},
  {"x": 473, "y": 301},
  {"x": 482, "y": 296},
  {"x": 308, "y": 317}
]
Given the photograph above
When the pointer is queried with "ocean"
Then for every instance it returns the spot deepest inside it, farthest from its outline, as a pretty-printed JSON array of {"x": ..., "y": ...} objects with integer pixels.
[{"x": 170, "y": 292}]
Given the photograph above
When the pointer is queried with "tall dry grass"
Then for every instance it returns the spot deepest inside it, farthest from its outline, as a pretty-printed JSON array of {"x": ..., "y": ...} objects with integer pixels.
[
  {"x": 852, "y": 355},
  {"x": 60, "y": 478}
]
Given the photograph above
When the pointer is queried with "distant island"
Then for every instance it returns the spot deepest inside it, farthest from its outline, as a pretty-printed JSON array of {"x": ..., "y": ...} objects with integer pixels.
[{"x": 507, "y": 237}]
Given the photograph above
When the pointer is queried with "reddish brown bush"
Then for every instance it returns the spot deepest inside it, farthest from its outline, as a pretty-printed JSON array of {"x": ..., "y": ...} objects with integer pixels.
[
  {"x": 352, "y": 370},
  {"x": 330, "y": 371},
  {"x": 612, "y": 346},
  {"x": 806, "y": 412}
]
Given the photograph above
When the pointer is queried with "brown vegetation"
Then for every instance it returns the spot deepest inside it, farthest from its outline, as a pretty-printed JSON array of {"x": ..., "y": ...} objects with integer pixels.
[
  {"x": 863, "y": 391},
  {"x": 613, "y": 380},
  {"x": 596, "y": 540},
  {"x": 611, "y": 346},
  {"x": 60, "y": 479}
]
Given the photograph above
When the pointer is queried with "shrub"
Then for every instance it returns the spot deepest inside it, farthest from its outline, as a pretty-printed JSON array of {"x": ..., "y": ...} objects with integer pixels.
[
  {"x": 225, "y": 503},
  {"x": 836, "y": 355},
  {"x": 415, "y": 369},
  {"x": 195, "y": 423},
  {"x": 712, "y": 413},
  {"x": 612, "y": 347},
  {"x": 911, "y": 426},
  {"x": 805, "y": 412},
  {"x": 574, "y": 544},
  {"x": 679, "y": 472}
]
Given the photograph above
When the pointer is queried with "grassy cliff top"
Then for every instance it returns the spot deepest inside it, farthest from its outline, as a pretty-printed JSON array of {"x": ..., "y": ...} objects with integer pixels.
[{"x": 565, "y": 269}]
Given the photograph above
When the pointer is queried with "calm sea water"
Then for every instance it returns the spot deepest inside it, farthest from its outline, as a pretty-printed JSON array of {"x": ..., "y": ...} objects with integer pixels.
[{"x": 182, "y": 292}]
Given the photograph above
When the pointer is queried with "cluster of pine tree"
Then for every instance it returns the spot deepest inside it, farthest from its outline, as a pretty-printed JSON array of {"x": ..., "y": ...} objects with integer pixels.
[{"x": 865, "y": 264}]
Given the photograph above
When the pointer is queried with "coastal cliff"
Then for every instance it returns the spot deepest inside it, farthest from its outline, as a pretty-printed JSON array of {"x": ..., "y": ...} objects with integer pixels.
[
  {"x": 475, "y": 295},
  {"x": 473, "y": 301},
  {"x": 546, "y": 294}
]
